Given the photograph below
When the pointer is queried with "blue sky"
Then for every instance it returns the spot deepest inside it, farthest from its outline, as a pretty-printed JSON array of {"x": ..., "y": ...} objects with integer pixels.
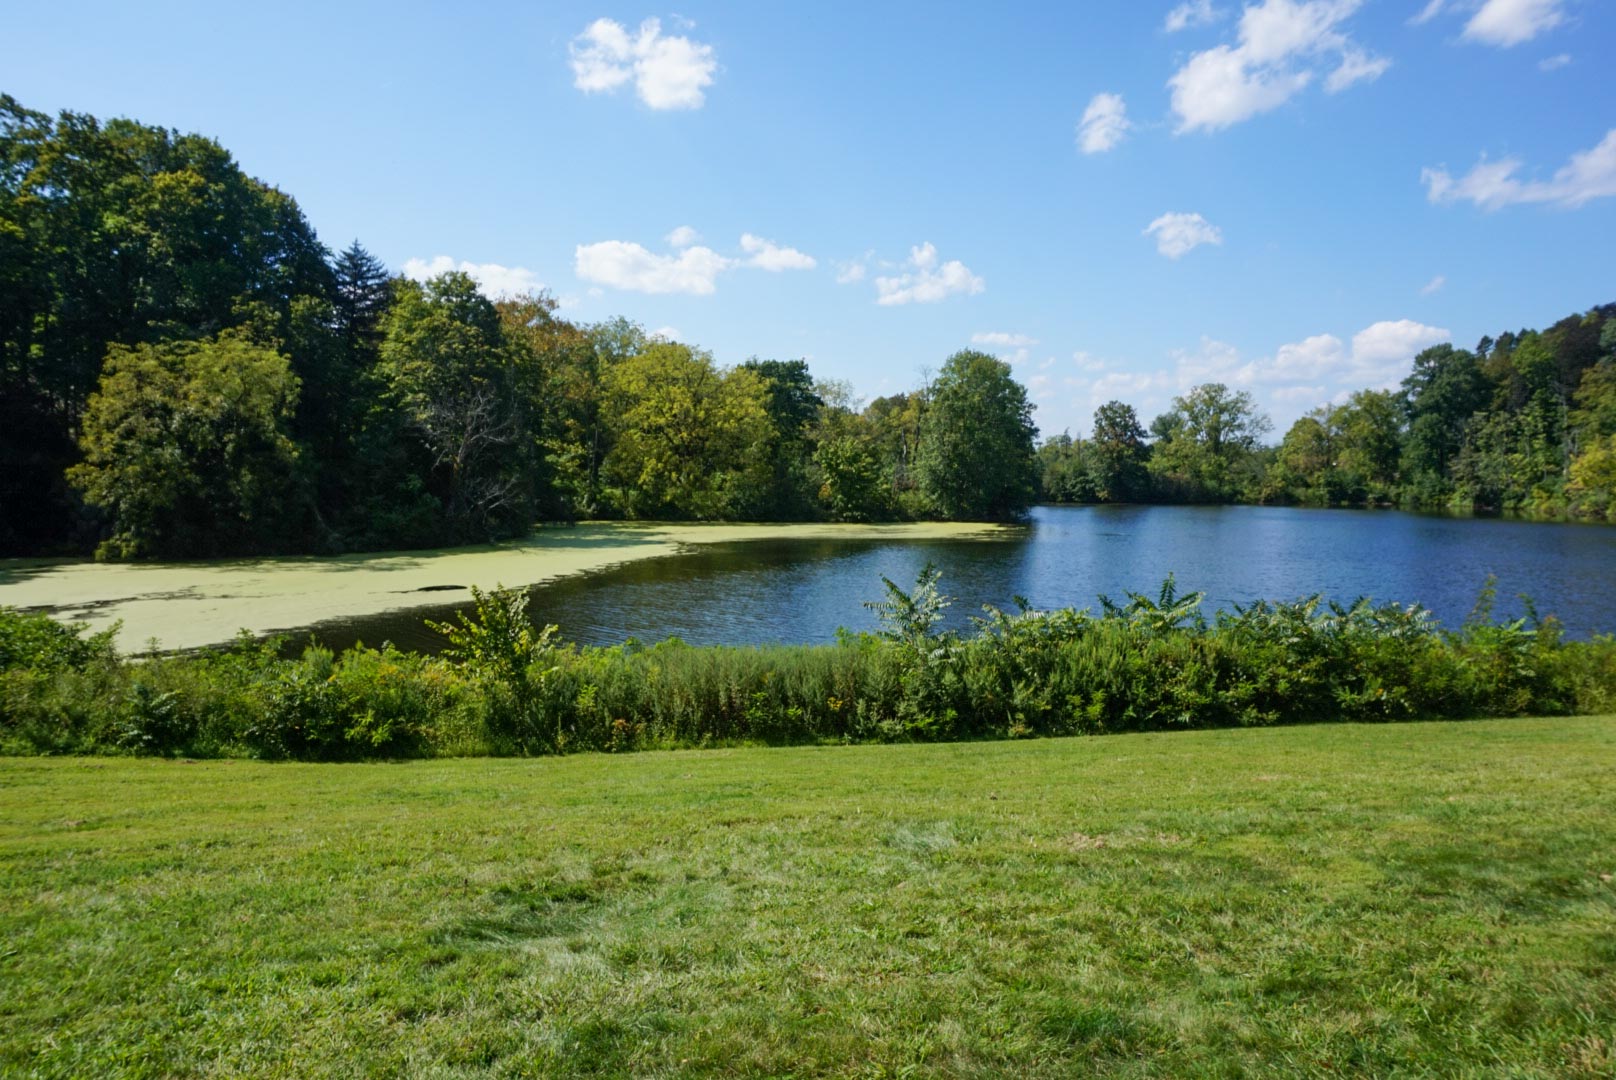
[{"x": 1290, "y": 197}]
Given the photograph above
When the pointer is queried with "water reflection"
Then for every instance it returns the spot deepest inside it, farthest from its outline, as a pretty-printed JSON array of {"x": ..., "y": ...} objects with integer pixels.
[{"x": 803, "y": 590}]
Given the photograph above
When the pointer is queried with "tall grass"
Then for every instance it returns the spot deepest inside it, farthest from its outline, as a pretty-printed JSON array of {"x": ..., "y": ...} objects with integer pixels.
[{"x": 1146, "y": 664}]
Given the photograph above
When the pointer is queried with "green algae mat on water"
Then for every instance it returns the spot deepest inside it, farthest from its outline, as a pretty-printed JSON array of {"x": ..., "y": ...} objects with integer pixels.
[
  {"x": 188, "y": 605},
  {"x": 1343, "y": 900}
]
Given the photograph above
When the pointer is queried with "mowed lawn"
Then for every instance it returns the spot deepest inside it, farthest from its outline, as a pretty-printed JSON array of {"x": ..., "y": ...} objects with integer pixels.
[{"x": 1417, "y": 899}]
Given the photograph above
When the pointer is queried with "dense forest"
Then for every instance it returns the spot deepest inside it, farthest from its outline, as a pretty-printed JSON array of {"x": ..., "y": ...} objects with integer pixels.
[{"x": 187, "y": 371}]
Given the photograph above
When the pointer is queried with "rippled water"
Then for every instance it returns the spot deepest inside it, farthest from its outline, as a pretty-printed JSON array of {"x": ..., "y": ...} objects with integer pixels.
[{"x": 803, "y": 590}]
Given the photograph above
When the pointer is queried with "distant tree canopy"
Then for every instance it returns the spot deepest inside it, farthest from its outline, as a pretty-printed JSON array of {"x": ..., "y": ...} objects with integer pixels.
[
  {"x": 1522, "y": 422},
  {"x": 185, "y": 370}
]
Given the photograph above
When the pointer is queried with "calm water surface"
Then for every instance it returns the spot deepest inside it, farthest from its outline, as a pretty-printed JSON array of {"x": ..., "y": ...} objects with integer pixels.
[{"x": 803, "y": 590}]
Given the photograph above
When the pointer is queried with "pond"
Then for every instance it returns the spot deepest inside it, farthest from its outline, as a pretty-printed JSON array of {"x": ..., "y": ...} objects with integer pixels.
[{"x": 761, "y": 591}]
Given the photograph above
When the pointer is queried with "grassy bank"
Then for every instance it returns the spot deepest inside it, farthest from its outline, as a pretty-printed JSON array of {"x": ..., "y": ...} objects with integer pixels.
[
  {"x": 1416, "y": 900},
  {"x": 188, "y": 605}
]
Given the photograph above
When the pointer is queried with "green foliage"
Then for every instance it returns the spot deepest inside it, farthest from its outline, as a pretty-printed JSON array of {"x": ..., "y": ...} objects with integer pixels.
[
  {"x": 976, "y": 459},
  {"x": 505, "y": 687},
  {"x": 418, "y": 414},
  {"x": 499, "y": 647},
  {"x": 911, "y": 617},
  {"x": 1118, "y": 454},
  {"x": 186, "y": 448},
  {"x": 37, "y": 642},
  {"x": 1064, "y": 474},
  {"x": 119, "y": 234},
  {"x": 688, "y": 436},
  {"x": 1207, "y": 444},
  {"x": 853, "y": 487},
  {"x": 446, "y": 369}
]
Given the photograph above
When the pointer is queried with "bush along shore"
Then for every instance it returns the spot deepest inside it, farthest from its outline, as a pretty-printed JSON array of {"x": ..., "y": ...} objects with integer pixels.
[{"x": 503, "y": 687}]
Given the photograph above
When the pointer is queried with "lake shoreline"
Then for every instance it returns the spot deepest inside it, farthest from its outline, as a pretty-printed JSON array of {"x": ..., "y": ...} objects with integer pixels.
[{"x": 192, "y": 605}]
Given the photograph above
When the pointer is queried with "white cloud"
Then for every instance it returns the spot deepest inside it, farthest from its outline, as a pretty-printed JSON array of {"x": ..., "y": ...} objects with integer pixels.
[
  {"x": 926, "y": 282},
  {"x": 1428, "y": 12},
  {"x": 767, "y": 255},
  {"x": 1119, "y": 383},
  {"x": 1381, "y": 353},
  {"x": 629, "y": 266},
  {"x": 1087, "y": 361},
  {"x": 1434, "y": 285},
  {"x": 1504, "y": 23},
  {"x": 1355, "y": 67},
  {"x": 1310, "y": 358},
  {"x": 1299, "y": 393},
  {"x": 1554, "y": 63},
  {"x": 1491, "y": 185},
  {"x": 1379, "y": 356},
  {"x": 1190, "y": 13},
  {"x": 1283, "y": 45},
  {"x": 1214, "y": 361},
  {"x": 496, "y": 280},
  {"x": 670, "y": 71},
  {"x": 1510, "y": 22},
  {"x": 1104, "y": 124},
  {"x": 682, "y": 237},
  {"x": 998, "y": 339},
  {"x": 1179, "y": 234},
  {"x": 854, "y": 270},
  {"x": 666, "y": 333}
]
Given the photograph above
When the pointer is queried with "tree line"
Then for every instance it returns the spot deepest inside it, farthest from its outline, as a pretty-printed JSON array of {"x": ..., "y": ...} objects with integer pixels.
[
  {"x": 187, "y": 371},
  {"x": 1525, "y": 422}
]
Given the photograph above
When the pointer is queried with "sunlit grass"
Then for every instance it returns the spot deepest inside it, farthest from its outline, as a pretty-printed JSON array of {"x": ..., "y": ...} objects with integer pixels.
[{"x": 1417, "y": 899}]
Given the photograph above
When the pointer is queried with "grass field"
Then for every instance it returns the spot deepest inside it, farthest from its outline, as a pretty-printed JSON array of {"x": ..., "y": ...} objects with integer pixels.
[{"x": 1413, "y": 899}]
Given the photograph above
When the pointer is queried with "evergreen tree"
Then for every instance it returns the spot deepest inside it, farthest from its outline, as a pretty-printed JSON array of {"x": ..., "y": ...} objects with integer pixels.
[{"x": 362, "y": 291}]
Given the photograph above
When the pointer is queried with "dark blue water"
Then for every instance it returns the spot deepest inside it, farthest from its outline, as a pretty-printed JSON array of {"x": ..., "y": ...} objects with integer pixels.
[{"x": 803, "y": 590}]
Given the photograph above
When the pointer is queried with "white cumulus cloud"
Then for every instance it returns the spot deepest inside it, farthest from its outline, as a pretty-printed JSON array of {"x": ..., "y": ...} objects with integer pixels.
[
  {"x": 925, "y": 281},
  {"x": 1554, "y": 63},
  {"x": 624, "y": 265},
  {"x": 1511, "y": 22},
  {"x": 767, "y": 255},
  {"x": 1190, "y": 13},
  {"x": 666, "y": 333},
  {"x": 1434, "y": 285},
  {"x": 1104, "y": 124},
  {"x": 682, "y": 237},
  {"x": 495, "y": 280},
  {"x": 1492, "y": 185},
  {"x": 1179, "y": 234},
  {"x": 1282, "y": 46},
  {"x": 1382, "y": 352},
  {"x": 669, "y": 71}
]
